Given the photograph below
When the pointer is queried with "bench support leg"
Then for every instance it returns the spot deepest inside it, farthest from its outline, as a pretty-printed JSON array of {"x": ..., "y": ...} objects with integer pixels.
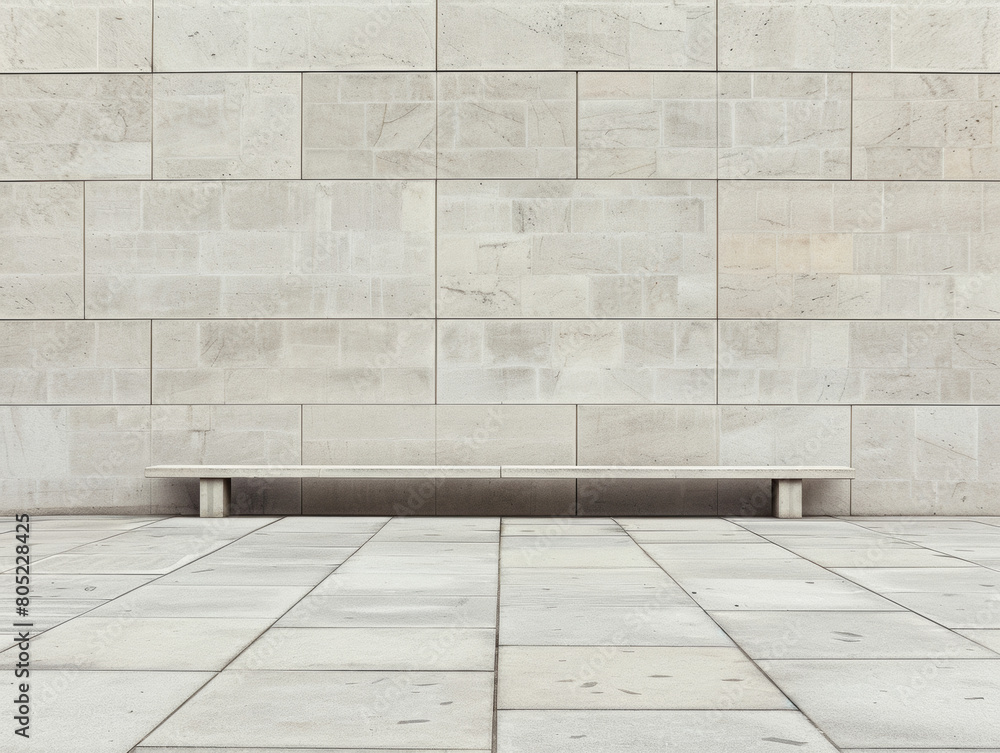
[
  {"x": 214, "y": 497},
  {"x": 786, "y": 497}
]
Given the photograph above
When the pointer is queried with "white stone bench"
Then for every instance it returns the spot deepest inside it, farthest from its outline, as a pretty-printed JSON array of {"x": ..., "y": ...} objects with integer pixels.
[{"x": 786, "y": 481}]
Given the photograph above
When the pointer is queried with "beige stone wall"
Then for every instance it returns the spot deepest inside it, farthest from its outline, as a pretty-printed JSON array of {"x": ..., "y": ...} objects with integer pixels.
[{"x": 485, "y": 231}]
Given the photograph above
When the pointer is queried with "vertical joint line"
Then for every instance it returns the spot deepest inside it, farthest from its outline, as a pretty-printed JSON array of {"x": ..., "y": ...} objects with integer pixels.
[
  {"x": 302, "y": 125},
  {"x": 850, "y": 156},
  {"x": 83, "y": 239},
  {"x": 850, "y": 459},
  {"x": 152, "y": 121}
]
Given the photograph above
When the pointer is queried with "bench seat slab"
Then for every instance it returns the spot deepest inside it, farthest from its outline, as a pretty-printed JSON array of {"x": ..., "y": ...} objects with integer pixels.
[
  {"x": 410, "y": 471},
  {"x": 688, "y": 471},
  {"x": 323, "y": 471}
]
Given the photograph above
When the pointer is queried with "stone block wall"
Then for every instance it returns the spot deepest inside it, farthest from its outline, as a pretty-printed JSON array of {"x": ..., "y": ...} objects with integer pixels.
[{"x": 500, "y": 231}]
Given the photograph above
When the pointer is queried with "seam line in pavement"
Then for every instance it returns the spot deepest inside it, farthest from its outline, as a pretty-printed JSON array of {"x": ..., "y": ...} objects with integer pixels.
[
  {"x": 740, "y": 648},
  {"x": 216, "y": 673},
  {"x": 872, "y": 591}
]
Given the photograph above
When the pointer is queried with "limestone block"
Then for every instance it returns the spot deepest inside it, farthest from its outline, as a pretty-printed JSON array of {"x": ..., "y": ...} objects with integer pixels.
[
  {"x": 227, "y": 125},
  {"x": 74, "y": 460},
  {"x": 573, "y": 361},
  {"x": 876, "y": 35},
  {"x": 926, "y": 127},
  {"x": 947, "y": 443},
  {"x": 368, "y": 125},
  {"x": 290, "y": 35},
  {"x": 647, "y": 125},
  {"x": 585, "y": 248},
  {"x": 554, "y": 34},
  {"x": 368, "y": 434},
  {"x": 926, "y": 460},
  {"x": 506, "y": 125},
  {"x": 83, "y": 362},
  {"x": 828, "y": 35},
  {"x": 260, "y": 249},
  {"x": 893, "y": 250},
  {"x": 293, "y": 361},
  {"x": 859, "y": 362},
  {"x": 41, "y": 250},
  {"x": 239, "y": 434},
  {"x": 945, "y": 36},
  {"x": 785, "y": 125},
  {"x": 498, "y": 434},
  {"x": 648, "y": 435},
  {"x": 786, "y": 435},
  {"x": 75, "y": 126},
  {"x": 75, "y": 35}
]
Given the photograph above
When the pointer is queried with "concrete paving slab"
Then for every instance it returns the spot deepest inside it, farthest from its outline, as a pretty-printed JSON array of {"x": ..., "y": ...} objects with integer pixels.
[
  {"x": 385, "y": 563},
  {"x": 588, "y": 624},
  {"x": 103, "y": 712},
  {"x": 878, "y": 703},
  {"x": 615, "y": 586},
  {"x": 678, "y": 524},
  {"x": 267, "y": 537},
  {"x": 687, "y": 537},
  {"x": 954, "y": 610},
  {"x": 988, "y": 638},
  {"x": 392, "y": 610},
  {"x": 150, "y": 562},
  {"x": 572, "y": 551},
  {"x": 398, "y": 649},
  {"x": 210, "y": 573},
  {"x": 128, "y": 643},
  {"x": 77, "y": 586},
  {"x": 844, "y": 635},
  {"x": 232, "y": 602},
  {"x": 241, "y": 524},
  {"x": 632, "y": 677},
  {"x": 878, "y": 556},
  {"x": 336, "y": 709},
  {"x": 361, "y": 582},
  {"x": 969, "y": 579},
  {"x": 328, "y": 524},
  {"x": 656, "y": 731},
  {"x": 835, "y": 595},
  {"x": 762, "y": 550}
]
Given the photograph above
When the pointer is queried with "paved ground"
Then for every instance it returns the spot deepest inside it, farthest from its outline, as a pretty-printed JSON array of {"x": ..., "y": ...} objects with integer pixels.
[{"x": 346, "y": 634}]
